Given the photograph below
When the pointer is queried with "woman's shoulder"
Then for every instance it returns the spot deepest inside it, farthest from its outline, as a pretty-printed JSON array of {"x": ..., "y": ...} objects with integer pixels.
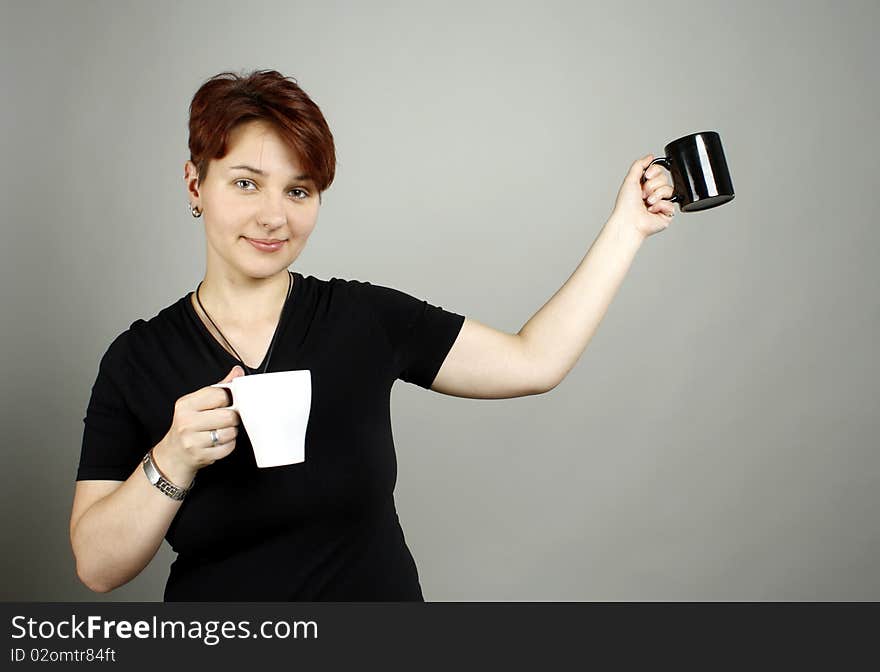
[
  {"x": 149, "y": 328},
  {"x": 335, "y": 285},
  {"x": 168, "y": 317}
]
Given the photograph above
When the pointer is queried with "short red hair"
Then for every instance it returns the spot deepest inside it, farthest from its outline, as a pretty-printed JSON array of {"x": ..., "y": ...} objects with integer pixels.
[{"x": 229, "y": 99}]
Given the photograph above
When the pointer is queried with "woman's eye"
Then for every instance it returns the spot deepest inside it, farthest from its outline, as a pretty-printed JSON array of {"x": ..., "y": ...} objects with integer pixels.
[{"x": 304, "y": 193}]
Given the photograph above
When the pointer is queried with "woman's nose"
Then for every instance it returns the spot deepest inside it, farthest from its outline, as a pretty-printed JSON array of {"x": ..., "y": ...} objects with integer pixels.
[{"x": 272, "y": 212}]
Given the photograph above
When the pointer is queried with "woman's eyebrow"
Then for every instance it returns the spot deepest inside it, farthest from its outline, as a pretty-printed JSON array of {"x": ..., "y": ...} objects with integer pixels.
[{"x": 260, "y": 172}]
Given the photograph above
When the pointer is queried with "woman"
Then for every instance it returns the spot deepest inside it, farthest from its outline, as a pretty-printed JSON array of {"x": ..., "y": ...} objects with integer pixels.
[{"x": 327, "y": 528}]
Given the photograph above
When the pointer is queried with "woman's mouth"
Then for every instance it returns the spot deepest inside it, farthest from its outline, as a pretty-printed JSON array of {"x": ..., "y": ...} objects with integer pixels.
[{"x": 266, "y": 247}]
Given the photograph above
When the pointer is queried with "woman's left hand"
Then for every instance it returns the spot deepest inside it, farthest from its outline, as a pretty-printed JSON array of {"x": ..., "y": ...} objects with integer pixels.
[{"x": 640, "y": 206}]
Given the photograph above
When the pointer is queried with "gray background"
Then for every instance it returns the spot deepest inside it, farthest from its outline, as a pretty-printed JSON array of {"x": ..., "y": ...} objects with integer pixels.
[{"x": 718, "y": 438}]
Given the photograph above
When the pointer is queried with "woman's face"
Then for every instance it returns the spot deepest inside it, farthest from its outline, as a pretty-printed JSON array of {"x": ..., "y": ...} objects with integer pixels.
[{"x": 238, "y": 203}]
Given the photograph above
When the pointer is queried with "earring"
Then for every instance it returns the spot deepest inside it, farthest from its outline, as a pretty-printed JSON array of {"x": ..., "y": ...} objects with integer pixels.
[{"x": 194, "y": 211}]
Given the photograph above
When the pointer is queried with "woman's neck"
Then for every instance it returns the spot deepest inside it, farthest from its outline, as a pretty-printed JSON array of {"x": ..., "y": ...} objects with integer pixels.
[{"x": 244, "y": 304}]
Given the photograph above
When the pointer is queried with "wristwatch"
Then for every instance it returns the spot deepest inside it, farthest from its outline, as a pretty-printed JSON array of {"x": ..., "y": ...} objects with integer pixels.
[{"x": 158, "y": 479}]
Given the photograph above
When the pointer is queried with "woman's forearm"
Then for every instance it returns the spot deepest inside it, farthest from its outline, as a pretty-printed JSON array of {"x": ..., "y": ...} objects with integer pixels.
[
  {"x": 559, "y": 332},
  {"x": 118, "y": 535}
]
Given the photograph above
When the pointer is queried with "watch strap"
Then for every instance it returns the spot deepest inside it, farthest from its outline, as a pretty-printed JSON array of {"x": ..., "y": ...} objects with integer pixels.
[{"x": 157, "y": 478}]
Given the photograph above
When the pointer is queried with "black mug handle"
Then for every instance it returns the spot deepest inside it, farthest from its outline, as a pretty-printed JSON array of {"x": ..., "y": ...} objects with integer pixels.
[{"x": 663, "y": 161}]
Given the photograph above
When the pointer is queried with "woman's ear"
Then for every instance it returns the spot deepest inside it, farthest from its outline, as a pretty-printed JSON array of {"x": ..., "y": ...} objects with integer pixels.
[{"x": 191, "y": 178}]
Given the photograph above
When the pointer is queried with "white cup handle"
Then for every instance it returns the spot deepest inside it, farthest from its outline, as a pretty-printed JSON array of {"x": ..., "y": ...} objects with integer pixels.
[{"x": 228, "y": 386}]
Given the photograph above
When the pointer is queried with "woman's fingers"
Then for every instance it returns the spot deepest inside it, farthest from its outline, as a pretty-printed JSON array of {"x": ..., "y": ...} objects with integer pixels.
[
  {"x": 655, "y": 183},
  {"x": 664, "y": 207},
  {"x": 224, "y": 435},
  {"x": 662, "y": 191}
]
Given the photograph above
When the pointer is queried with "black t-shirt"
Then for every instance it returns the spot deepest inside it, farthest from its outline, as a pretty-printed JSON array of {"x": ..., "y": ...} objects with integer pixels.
[{"x": 322, "y": 530}]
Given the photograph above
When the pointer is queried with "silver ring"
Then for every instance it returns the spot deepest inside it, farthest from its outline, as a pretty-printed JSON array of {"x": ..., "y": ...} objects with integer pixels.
[{"x": 214, "y": 438}]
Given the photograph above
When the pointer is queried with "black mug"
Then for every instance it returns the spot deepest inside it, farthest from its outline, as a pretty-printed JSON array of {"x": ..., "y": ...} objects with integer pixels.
[{"x": 700, "y": 178}]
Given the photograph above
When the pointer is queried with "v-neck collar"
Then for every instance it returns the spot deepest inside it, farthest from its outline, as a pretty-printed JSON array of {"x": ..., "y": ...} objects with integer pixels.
[{"x": 218, "y": 347}]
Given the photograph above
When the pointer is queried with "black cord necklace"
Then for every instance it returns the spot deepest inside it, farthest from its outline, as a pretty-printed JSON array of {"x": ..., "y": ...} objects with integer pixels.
[{"x": 247, "y": 369}]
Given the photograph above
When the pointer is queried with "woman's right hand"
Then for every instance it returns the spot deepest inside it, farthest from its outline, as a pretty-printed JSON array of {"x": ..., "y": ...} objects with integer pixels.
[{"x": 186, "y": 447}]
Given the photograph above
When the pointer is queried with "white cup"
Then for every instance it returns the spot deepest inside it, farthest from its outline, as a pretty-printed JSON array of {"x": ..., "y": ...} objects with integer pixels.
[{"x": 274, "y": 409}]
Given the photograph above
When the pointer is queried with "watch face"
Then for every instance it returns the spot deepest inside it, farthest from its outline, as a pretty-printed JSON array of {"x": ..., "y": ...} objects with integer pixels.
[{"x": 151, "y": 471}]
